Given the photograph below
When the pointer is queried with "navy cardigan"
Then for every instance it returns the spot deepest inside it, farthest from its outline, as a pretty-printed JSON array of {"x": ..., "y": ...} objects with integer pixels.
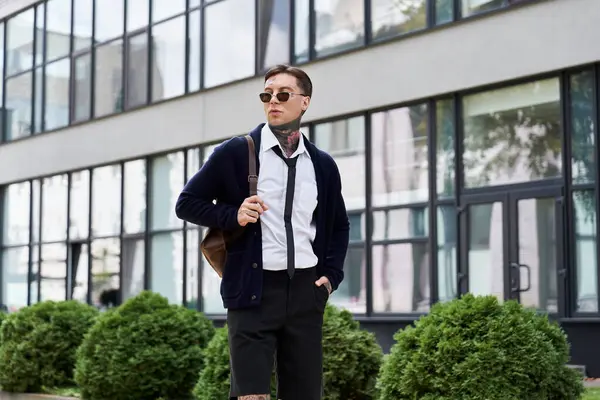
[{"x": 224, "y": 178}]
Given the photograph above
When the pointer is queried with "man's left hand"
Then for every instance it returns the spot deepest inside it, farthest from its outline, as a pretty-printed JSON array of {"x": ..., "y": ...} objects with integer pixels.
[{"x": 324, "y": 281}]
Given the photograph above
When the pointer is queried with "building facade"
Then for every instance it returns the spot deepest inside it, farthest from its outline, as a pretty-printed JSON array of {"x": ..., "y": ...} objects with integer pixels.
[{"x": 465, "y": 131}]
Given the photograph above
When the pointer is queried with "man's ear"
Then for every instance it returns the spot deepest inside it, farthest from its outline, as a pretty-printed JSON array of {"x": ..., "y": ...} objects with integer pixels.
[{"x": 305, "y": 103}]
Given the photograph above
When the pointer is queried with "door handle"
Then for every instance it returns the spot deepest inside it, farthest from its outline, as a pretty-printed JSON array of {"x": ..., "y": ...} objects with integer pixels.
[{"x": 517, "y": 279}]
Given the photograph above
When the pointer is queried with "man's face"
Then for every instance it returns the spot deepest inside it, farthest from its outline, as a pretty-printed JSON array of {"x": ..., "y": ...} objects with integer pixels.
[{"x": 281, "y": 112}]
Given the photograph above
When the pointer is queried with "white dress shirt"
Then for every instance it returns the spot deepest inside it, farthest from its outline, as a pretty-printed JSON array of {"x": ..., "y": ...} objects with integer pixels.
[{"x": 272, "y": 185}]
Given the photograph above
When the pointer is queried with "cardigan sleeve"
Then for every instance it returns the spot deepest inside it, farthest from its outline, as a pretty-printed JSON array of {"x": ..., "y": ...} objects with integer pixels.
[{"x": 198, "y": 201}]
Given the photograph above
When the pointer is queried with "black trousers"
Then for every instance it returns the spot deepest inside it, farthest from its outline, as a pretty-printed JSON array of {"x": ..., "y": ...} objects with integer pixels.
[{"x": 285, "y": 331}]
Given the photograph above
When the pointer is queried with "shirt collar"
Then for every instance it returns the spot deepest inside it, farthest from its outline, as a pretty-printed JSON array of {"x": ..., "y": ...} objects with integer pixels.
[{"x": 268, "y": 141}]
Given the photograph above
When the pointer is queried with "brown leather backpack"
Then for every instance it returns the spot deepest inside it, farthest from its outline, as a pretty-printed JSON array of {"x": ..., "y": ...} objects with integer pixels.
[{"x": 214, "y": 244}]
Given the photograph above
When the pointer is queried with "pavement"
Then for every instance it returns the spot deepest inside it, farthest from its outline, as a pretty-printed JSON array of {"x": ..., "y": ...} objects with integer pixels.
[{"x": 28, "y": 396}]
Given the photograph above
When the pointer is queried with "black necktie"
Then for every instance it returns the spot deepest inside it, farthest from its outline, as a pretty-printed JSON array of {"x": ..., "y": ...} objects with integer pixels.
[{"x": 287, "y": 214}]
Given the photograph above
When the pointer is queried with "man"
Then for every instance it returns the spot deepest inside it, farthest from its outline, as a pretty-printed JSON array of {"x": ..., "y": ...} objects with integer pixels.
[{"x": 289, "y": 258}]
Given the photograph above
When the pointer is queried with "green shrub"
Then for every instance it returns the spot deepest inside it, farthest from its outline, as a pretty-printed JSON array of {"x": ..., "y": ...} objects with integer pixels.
[
  {"x": 39, "y": 344},
  {"x": 474, "y": 348},
  {"x": 145, "y": 349},
  {"x": 351, "y": 361}
]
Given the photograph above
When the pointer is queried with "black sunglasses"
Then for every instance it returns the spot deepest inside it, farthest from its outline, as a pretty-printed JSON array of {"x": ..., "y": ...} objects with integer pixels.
[{"x": 281, "y": 96}]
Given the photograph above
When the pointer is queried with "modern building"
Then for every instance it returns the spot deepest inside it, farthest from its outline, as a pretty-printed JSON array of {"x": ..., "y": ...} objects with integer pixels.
[{"x": 466, "y": 134}]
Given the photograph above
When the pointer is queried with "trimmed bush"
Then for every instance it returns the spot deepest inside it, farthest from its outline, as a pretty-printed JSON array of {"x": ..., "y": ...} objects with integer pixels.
[
  {"x": 475, "y": 348},
  {"x": 351, "y": 361},
  {"x": 143, "y": 350},
  {"x": 39, "y": 345}
]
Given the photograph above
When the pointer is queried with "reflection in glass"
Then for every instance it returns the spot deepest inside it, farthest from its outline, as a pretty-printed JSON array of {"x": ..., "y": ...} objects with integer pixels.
[
  {"x": 57, "y": 94},
  {"x": 80, "y": 205},
  {"x": 586, "y": 241},
  {"x": 301, "y": 30},
  {"x": 340, "y": 25},
  {"x": 36, "y": 202},
  {"x": 109, "y": 19},
  {"x": 39, "y": 34},
  {"x": 106, "y": 200},
  {"x": 54, "y": 208},
  {"x": 512, "y": 134},
  {"x": 38, "y": 118},
  {"x": 167, "y": 266},
  {"x": 401, "y": 278},
  {"x": 82, "y": 24},
  {"x": 400, "y": 166},
  {"x": 134, "y": 207},
  {"x": 537, "y": 251},
  {"x": 582, "y": 94},
  {"x": 58, "y": 29},
  {"x": 400, "y": 224},
  {"x": 1, "y": 64},
  {"x": 446, "y": 249},
  {"x": 53, "y": 272},
  {"x": 19, "y": 42},
  {"x": 15, "y": 218},
  {"x": 109, "y": 80},
  {"x": 345, "y": 141},
  {"x": 162, "y": 9},
  {"x": 34, "y": 282},
  {"x": 194, "y": 51},
  {"x": 471, "y": 7},
  {"x": 15, "y": 264},
  {"x": 106, "y": 254},
  {"x": 79, "y": 264},
  {"x": 395, "y": 17},
  {"x": 445, "y": 134},
  {"x": 137, "y": 72},
  {"x": 192, "y": 269},
  {"x": 168, "y": 75},
  {"x": 138, "y": 14},
  {"x": 133, "y": 259},
  {"x": 211, "y": 291},
  {"x": 167, "y": 181},
  {"x": 82, "y": 82},
  {"x": 444, "y": 11},
  {"x": 351, "y": 294},
  {"x": 273, "y": 32},
  {"x": 193, "y": 162},
  {"x": 486, "y": 250},
  {"x": 18, "y": 106},
  {"x": 229, "y": 47}
]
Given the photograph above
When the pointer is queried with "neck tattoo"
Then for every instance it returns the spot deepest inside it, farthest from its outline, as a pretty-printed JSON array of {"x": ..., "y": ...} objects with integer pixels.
[{"x": 288, "y": 135}]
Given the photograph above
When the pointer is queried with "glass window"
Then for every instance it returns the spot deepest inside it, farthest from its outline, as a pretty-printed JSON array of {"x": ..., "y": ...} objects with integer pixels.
[
  {"x": 38, "y": 107},
  {"x": 168, "y": 75},
  {"x": 79, "y": 264},
  {"x": 106, "y": 201},
  {"x": 58, "y": 29},
  {"x": 109, "y": 79},
  {"x": 106, "y": 257},
  {"x": 15, "y": 269},
  {"x": 400, "y": 223},
  {"x": 34, "y": 282},
  {"x": 18, "y": 106},
  {"x": 340, "y": 25},
  {"x": 446, "y": 253},
  {"x": 167, "y": 182},
  {"x": 58, "y": 76},
  {"x": 1, "y": 66},
  {"x": 110, "y": 15},
  {"x": 193, "y": 162},
  {"x": 167, "y": 265},
  {"x": 137, "y": 72},
  {"x": 212, "y": 302},
  {"x": 586, "y": 241},
  {"x": 16, "y": 214},
  {"x": 82, "y": 92},
  {"x": 512, "y": 134},
  {"x": 40, "y": 33},
  {"x": 392, "y": 17},
  {"x": 400, "y": 165},
  {"x": 19, "y": 42},
  {"x": 444, "y": 11},
  {"x": 401, "y": 287},
  {"x": 470, "y": 7},
  {"x": 162, "y": 9},
  {"x": 54, "y": 208},
  {"x": 36, "y": 205},
  {"x": 229, "y": 47},
  {"x": 133, "y": 260},
  {"x": 82, "y": 24},
  {"x": 53, "y": 272},
  {"x": 195, "y": 51},
  {"x": 301, "y": 30},
  {"x": 138, "y": 14},
  {"x": 192, "y": 270},
  {"x": 583, "y": 162},
  {"x": 80, "y": 205},
  {"x": 445, "y": 134},
  {"x": 273, "y": 33},
  {"x": 134, "y": 209}
]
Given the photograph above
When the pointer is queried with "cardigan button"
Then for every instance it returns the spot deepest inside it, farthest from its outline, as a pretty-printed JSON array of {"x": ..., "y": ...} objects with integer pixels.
[
  {"x": 253, "y": 297},
  {"x": 254, "y": 265}
]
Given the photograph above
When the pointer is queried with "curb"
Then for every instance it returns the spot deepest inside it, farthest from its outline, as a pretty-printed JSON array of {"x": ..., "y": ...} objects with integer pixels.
[{"x": 31, "y": 396}]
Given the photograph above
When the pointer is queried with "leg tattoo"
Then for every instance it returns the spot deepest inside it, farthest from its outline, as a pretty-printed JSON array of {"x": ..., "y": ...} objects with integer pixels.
[{"x": 255, "y": 397}]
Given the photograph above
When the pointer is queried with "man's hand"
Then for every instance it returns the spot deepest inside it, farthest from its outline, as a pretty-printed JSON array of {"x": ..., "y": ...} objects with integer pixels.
[
  {"x": 250, "y": 210},
  {"x": 324, "y": 281}
]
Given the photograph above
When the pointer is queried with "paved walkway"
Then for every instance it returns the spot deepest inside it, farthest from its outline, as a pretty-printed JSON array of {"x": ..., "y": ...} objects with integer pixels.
[{"x": 27, "y": 396}]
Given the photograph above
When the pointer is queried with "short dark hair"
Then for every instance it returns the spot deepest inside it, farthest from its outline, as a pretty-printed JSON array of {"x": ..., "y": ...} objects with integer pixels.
[{"x": 304, "y": 81}]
